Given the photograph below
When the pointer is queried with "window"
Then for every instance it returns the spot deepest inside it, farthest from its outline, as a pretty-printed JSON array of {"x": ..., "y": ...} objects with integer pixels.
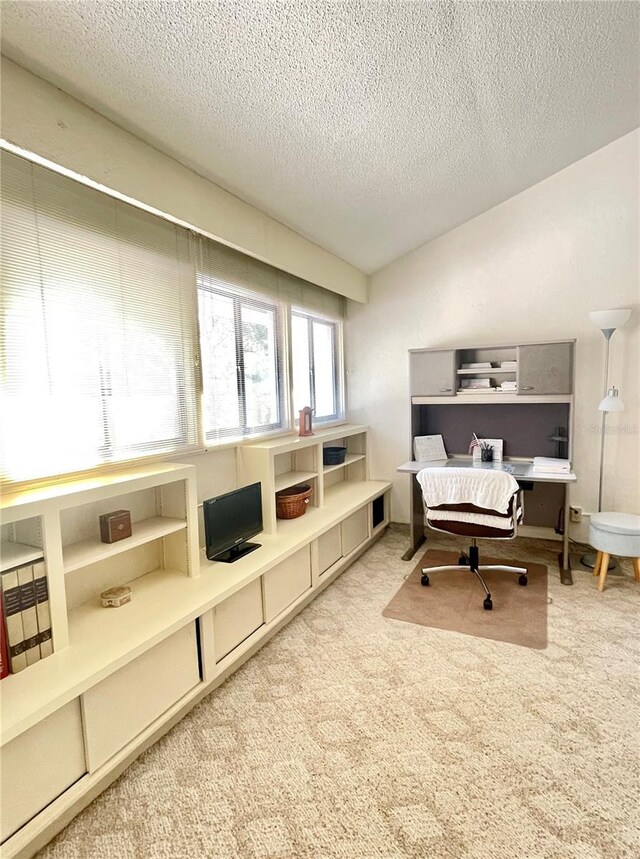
[
  {"x": 241, "y": 349},
  {"x": 317, "y": 377},
  {"x": 100, "y": 305},
  {"x": 97, "y": 318}
]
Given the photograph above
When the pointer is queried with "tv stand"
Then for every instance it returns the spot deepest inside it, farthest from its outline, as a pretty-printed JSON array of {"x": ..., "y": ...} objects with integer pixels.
[{"x": 236, "y": 552}]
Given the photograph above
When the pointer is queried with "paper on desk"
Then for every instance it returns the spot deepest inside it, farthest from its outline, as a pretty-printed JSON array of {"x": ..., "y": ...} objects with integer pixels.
[{"x": 427, "y": 448}]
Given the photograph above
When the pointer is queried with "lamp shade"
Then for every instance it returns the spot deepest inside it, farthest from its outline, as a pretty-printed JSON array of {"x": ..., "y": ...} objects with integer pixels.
[
  {"x": 612, "y": 402},
  {"x": 608, "y": 319}
]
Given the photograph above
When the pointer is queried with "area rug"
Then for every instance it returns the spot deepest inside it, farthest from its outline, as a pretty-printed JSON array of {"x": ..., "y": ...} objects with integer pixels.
[{"x": 453, "y": 601}]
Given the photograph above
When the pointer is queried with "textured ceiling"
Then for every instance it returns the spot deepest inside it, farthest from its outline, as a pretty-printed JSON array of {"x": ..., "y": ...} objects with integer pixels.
[{"x": 369, "y": 127}]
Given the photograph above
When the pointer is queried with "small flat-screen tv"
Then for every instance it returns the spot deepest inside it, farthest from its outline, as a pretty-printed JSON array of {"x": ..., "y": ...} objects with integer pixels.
[{"x": 229, "y": 521}]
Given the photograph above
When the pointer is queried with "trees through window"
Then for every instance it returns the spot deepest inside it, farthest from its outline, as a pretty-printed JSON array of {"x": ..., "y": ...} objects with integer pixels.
[
  {"x": 315, "y": 361},
  {"x": 241, "y": 358}
]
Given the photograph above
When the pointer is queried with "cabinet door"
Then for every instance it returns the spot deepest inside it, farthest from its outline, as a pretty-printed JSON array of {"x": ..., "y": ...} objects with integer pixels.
[
  {"x": 236, "y": 618},
  {"x": 121, "y": 706},
  {"x": 39, "y": 765},
  {"x": 545, "y": 368},
  {"x": 286, "y": 582},
  {"x": 355, "y": 530},
  {"x": 329, "y": 549},
  {"x": 432, "y": 374}
]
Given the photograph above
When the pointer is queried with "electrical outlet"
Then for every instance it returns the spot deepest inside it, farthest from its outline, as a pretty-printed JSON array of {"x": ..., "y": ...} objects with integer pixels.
[{"x": 575, "y": 514}]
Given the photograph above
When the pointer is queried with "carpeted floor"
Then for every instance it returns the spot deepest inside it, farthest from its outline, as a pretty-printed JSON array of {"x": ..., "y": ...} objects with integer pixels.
[{"x": 355, "y": 736}]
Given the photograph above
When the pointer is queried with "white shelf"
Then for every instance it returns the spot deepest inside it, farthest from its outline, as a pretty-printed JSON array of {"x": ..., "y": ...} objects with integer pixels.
[
  {"x": 496, "y": 371},
  {"x": 349, "y": 460},
  {"x": 18, "y": 555},
  {"x": 291, "y": 478},
  {"x": 346, "y": 493},
  {"x": 285, "y": 444},
  {"x": 493, "y": 397},
  {"x": 71, "y": 493},
  {"x": 86, "y": 552}
]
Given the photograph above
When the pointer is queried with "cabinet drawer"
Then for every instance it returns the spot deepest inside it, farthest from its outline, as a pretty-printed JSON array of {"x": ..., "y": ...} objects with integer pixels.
[
  {"x": 236, "y": 618},
  {"x": 354, "y": 530},
  {"x": 39, "y": 765},
  {"x": 286, "y": 582},
  {"x": 118, "y": 708},
  {"x": 329, "y": 549}
]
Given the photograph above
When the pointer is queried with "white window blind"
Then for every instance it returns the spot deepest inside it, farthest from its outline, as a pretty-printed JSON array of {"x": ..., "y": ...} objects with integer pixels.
[
  {"x": 242, "y": 346},
  {"x": 98, "y": 321},
  {"x": 231, "y": 269}
]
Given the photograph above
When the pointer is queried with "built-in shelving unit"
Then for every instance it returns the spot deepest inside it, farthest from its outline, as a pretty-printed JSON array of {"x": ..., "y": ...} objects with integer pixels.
[
  {"x": 66, "y": 518},
  {"x": 190, "y": 621},
  {"x": 290, "y": 460}
]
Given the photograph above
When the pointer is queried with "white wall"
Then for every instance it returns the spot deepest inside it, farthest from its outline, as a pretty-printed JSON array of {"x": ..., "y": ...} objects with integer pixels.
[
  {"x": 529, "y": 269},
  {"x": 42, "y": 119}
]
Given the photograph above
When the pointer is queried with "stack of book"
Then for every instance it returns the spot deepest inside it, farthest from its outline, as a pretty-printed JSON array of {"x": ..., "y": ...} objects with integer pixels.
[
  {"x": 508, "y": 365},
  {"x": 550, "y": 465},
  {"x": 25, "y": 619},
  {"x": 478, "y": 365},
  {"x": 509, "y": 386},
  {"x": 475, "y": 383}
]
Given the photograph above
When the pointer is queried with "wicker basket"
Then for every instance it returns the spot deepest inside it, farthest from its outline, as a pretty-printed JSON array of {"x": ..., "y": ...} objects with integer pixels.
[{"x": 292, "y": 502}]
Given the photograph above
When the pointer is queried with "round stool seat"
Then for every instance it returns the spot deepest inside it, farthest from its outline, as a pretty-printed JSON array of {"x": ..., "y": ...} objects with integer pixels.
[{"x": 616, "y": 534}]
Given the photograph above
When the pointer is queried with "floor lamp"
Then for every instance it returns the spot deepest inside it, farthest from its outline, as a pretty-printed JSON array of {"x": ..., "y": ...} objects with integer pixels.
[{"x": 607, "y": 321}]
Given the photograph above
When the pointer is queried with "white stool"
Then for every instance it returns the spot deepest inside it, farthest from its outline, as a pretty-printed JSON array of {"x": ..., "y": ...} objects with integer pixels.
[{"x": 615, "y": 534}]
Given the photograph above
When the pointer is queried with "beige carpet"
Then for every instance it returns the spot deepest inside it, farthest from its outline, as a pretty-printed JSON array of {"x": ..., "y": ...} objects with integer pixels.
[
  {"x": 352, "y": 736},
  {"x": 454, "y": 600}
]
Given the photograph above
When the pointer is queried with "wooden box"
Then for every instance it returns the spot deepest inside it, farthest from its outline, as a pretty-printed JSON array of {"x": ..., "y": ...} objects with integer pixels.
[{"x": 115, "y": 526}]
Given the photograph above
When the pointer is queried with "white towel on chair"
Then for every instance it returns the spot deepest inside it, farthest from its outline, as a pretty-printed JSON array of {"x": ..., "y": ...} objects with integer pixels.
[{"x": 484, "y": 488}]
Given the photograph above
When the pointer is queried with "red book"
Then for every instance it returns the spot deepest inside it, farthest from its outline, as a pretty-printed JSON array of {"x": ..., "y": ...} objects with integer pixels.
[{"x": 4, "y": 653}]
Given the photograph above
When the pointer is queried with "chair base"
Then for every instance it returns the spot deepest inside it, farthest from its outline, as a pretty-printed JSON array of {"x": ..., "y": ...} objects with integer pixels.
[{"x": 471, "y": 564}]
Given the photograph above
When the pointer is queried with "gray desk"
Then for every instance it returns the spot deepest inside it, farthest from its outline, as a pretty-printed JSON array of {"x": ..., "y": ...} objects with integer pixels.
[{"x": 522, "y": 470}]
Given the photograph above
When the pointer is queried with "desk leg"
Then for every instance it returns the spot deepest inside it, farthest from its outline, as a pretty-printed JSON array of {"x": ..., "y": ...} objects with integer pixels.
[
  {"x": 416, "y": 520},
  {"x": 563, "y": 559},
  {"x": 413, "y": 548}
]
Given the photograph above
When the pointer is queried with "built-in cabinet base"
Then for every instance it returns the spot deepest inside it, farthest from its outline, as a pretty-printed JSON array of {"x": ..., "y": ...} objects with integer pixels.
[{"x": 66, "y": 736}]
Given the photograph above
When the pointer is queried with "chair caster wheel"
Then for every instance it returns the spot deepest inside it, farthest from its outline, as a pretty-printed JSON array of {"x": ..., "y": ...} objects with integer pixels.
[
  {"x": 463, "y": 561},
  {"x": 424, "y": 581},
  {"x": 523, "y": 580},
  {"x": 487, "y": 605}
]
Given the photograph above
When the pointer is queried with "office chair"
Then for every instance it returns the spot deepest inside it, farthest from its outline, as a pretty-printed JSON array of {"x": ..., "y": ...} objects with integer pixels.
[{"x": 476, "y": 503}]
